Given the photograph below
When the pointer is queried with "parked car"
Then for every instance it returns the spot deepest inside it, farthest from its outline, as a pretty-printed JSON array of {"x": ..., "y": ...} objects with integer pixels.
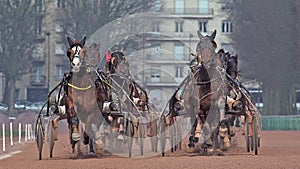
[
  {"x": 3, "y": 106},
  {"x": 35, "y": 106},
  {"x": 21, "y": 104}
]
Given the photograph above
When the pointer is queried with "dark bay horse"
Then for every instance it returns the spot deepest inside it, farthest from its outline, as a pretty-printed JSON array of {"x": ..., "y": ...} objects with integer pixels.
[
  {"x": 204, "y": 94},
  {"x": 211, "y": 80},
  {"x": 128, "y": 94},
  {"x": 201, "y": 96}
]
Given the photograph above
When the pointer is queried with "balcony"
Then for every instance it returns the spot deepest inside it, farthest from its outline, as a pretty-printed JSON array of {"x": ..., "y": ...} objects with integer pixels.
[
  {"x": 39, "y": 38},
  {"x": 190, "y": 12},
  {"x": 173, "y": 36},
  {"x": 38, "y": 58},
  {"x": 37, "y": 80}
]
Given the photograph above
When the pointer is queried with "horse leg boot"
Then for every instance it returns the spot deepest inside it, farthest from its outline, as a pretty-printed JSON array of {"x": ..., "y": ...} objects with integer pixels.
[
  {"x": 243, "y": 124},
  {"x": 135, "y": 128},
  {"x": 55, "y": 127},
  {"x": 149, "y": 129},
  {"x": 74, "y": 127},
  {"x": 223, "y": 127},
  {"x": 168, "y": 120},
  {"x": 192, "y": 139},
  {"x": 121, "y": 129}
]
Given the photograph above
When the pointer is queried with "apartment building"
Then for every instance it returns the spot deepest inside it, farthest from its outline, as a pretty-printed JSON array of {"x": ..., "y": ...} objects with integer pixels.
[
  {"x": 159, "y": 69},
  {"x": 174, "y": 35}
]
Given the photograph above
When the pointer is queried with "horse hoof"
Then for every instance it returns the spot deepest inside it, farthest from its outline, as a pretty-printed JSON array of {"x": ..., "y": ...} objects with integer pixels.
[{"x": 191, "y": 150}]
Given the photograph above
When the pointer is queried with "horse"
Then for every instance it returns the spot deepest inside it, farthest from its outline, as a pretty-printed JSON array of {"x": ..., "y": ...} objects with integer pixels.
[
  {"x": 81, "y": 103},
  {"x": 131, "y": 97},
  {"x": 208, "y": 80}
]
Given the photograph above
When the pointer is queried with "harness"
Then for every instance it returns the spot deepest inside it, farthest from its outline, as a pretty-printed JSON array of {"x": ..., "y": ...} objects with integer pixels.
[{"x": 79, "y": 88}]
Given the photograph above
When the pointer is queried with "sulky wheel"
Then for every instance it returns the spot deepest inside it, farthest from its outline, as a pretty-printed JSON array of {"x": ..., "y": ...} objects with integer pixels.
[
  {"x": 50, "y": 133},
  {"x": 247, "y": 137},
  {"x": 255, "y": 135},
  {"x": 163, "y": 135},
  {"x": 141, "y": 135},
  {"x": 172, "y": 138},
  {"x": 39, "y": 136},
  {"x": 129, "y": 133},
  {"x": 178, "y": 133}
]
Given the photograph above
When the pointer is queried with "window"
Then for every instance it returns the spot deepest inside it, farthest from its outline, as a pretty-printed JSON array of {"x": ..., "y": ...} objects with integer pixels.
[
  {"x": 179, "y": 28},
  {"x": 179, "y": 6},
  {"x": 39, "y": 6},
  {"x": 226, "y": 26},
  {"x": 155, "y": 28},
  {"x": 203, "y": 26},
  {"x": 37, "y": 73},
  {"x": 179, "y": 51},
  {"x": 38, "y": 54},
  {"x": 59, "y": 26},
  {"x": 203, "y": 7},
  {"x": 155, "y": 74},
  {"x": 61, "y": 3},
  {"x": 59, "y": 49},
  {"x": 157, "y": 6},
  {"x": 179, "y": 71},
  {"x": 38, "y": 26}
]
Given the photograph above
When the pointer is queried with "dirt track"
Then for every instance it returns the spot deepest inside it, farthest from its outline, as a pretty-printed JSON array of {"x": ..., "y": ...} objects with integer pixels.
[{"x": 280, "y": 149}]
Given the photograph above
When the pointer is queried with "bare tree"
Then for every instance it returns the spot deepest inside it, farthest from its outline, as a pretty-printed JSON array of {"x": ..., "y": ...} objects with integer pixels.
[
  {"x": 90, "y": 15},
  {"x": 265, "y": 36},
  {"x": 16, "y": 42}
]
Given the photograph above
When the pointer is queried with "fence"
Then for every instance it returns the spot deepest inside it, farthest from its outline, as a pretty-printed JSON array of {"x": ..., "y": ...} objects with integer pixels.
[
  {"x": 281, "y": 122},
  {"x": 8, "y": 135}
]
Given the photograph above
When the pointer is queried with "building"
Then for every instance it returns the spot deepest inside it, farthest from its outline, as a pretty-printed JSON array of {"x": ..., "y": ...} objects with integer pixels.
[
  {"x": 174, "y": 37},
  {"x": 164, "y": 64}
]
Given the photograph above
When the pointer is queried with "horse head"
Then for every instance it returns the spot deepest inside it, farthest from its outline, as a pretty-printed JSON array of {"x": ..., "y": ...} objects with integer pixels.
[
  {"x": 119, "y": 64},
  {"x": 75, "y": 53},
  {"x": 205, "y": 49},
  {"x": 93, "y": 55},
  {"x": 232, "y": 65}
]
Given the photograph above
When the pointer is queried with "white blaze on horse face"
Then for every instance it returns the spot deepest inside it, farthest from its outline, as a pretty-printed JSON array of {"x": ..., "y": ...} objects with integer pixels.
[{"x": 76, "y": 59}]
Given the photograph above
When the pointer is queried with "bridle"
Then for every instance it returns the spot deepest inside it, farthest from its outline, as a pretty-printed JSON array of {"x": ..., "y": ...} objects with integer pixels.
[
  {"x": 75, "y": 61},
  {"x": 205, "y": 45}
]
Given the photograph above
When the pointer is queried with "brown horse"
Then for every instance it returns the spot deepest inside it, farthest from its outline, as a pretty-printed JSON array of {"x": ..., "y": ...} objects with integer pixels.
[{"x": 80, "y": 94}]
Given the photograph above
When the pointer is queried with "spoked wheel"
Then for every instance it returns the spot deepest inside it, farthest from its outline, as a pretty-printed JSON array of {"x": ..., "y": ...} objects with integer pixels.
[
  {"x": 178, "y": 133},
  {"x": 50, "y": 136},
  {"x": 39, "y": 136},
  {"x": 129, "y": 133},
  {"x": 141, "y": 135},
  {"x": 255, "y": 135},
  {"x": 247, "y": 139},
  {"x": 154, "y": 138},
  {"x": 172, "y": 138},
  {"x": 163, "y": 135}
]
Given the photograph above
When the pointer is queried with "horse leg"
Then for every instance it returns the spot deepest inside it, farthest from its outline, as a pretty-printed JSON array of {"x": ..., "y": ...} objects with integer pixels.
[
  {"x": 192, "y": 139},
  {"x": 55, "y": 126},
  {"x": 223, "y": 126},
  {"x": 121, "y": 129},
  {"x": 73, "y": 120},
  {"x": 89, "y": 134}
]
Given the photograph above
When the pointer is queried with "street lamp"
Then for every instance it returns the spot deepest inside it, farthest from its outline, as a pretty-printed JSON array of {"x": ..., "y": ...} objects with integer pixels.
[
  {"x": 190, "y": 39},
  {"x": 48, "y": 36}
]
